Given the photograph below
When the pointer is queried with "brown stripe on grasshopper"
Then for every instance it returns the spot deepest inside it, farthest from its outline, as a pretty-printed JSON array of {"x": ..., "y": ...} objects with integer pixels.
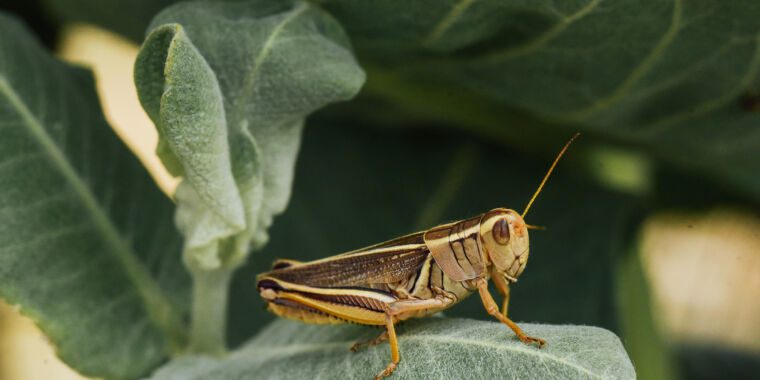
[{"x": 407, "y": 277}]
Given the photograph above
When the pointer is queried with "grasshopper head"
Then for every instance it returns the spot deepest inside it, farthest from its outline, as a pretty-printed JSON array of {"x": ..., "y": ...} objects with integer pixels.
[
  {"x": 505, "y": 238},
  {"x": 505, "y": 234}
]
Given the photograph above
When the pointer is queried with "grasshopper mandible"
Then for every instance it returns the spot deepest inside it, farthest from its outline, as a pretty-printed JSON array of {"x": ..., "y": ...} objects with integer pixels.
[{"x": 408, "y": 277}]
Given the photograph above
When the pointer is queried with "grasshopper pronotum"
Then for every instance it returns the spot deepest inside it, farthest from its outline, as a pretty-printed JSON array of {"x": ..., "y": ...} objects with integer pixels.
[{"x": 412, "y": 276}]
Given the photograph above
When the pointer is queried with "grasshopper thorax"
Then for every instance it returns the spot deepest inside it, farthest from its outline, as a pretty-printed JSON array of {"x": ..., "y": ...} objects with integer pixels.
[{"x": 505, "y": 239}]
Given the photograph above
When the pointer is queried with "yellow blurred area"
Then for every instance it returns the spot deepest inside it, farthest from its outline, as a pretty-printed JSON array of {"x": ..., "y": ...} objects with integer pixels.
[
  {"x": 704, "y": 268},
  {"x": 25, "y": 353},
  {"x": 111, "y": 58}
]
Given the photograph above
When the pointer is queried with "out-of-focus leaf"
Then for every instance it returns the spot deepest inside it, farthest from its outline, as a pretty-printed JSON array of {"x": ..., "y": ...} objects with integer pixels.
[
  {"x": 228, "y": 86},
  {"x": 666, "y": 77},
  {"x": 440, "y": 348},
  {"x": 716, "y": 361},
  {"x": 87, "y": 247},
  {"x": 356, "y": 187}
]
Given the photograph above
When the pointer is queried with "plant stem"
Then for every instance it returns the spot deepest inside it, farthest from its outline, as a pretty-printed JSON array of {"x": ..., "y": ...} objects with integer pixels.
[{"x": 208, "y": 326}]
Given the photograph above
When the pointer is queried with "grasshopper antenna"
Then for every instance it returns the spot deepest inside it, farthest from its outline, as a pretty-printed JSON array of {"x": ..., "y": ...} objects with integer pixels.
[{"x": 546, "y": 177}]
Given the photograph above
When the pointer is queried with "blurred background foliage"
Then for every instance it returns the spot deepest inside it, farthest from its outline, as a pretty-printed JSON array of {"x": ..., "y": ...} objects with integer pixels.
[{"x": 652, "y": 220}]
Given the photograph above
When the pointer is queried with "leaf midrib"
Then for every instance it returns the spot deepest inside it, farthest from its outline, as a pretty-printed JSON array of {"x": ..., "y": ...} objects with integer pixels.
[
  {"x": 157, "y": 305},
  {"x": 250, "y": 79}
]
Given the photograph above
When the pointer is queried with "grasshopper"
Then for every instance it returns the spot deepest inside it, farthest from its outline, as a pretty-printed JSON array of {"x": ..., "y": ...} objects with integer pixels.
[{"x": 408, "y": 277}]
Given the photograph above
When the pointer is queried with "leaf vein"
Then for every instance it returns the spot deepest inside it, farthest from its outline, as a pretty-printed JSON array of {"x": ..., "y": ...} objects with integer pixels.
[
  {"x": 540, "y": 41},
  {"x": 638, "y": 72},
  {"x": 250, "y": 79},
  {"x": 447, "y": 21},
  {"x": 712, "y": 104}
]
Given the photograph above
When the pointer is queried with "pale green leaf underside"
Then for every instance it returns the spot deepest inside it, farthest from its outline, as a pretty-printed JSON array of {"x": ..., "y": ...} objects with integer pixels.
[
  {"x": 228, "y": 86},
  {"x": 87, "y": 248},
  {"x": 432, "y": 349}
]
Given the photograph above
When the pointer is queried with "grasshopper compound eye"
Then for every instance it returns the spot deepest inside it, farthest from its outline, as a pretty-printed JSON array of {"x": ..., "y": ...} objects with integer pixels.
[{"x": 500, "y": 232}]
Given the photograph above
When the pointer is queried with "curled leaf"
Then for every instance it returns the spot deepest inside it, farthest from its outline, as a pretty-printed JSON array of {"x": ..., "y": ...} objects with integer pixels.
[{"x": 228, "y": 86}]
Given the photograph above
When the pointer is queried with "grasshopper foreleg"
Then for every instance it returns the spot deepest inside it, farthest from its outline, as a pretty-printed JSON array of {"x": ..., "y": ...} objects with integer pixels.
[
  {"x": 503, "y": 287},
  {"x": 493, "y": 309}
]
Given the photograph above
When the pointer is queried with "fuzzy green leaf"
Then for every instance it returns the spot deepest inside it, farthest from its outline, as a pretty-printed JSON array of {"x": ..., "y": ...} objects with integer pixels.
[
  {"x": 87, "y": 247},
  {"x": 433, "y": 349},
  {"x": 228, "y": 86}
]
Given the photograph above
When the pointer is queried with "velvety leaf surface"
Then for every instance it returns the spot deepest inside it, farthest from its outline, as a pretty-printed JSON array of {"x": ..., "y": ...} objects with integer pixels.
[
  {"x": 87, "y": 247},
  {"x": 228, "y": 86},
  {"x": 435, "y": 349}
]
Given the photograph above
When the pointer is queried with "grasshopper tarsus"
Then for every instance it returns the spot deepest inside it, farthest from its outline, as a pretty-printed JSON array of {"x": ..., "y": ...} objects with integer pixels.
[
  {"x": 386, "y": 372},
  {"x": 530, "y": 340}
]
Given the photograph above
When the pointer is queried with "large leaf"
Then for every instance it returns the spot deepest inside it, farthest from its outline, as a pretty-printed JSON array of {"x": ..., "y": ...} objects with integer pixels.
[
  {"x": 87, "y": 247},
  {"x": 440, "y": 348},
  {"x": 228, "y": 86},
  {"x": 663, "y": 76},
  {"x": 357, "y": 187}
]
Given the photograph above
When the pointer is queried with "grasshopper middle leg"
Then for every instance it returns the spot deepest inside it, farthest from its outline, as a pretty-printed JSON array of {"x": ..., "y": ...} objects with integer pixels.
[
  {"x": 371, "y": 342},
  {"x": 400, "y": 309}
]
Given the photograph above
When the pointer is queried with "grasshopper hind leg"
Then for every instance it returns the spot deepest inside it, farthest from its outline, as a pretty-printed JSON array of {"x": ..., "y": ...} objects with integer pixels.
[
  {"x": 294, "y": 311},
  {"x": 395, "y": 357}
]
